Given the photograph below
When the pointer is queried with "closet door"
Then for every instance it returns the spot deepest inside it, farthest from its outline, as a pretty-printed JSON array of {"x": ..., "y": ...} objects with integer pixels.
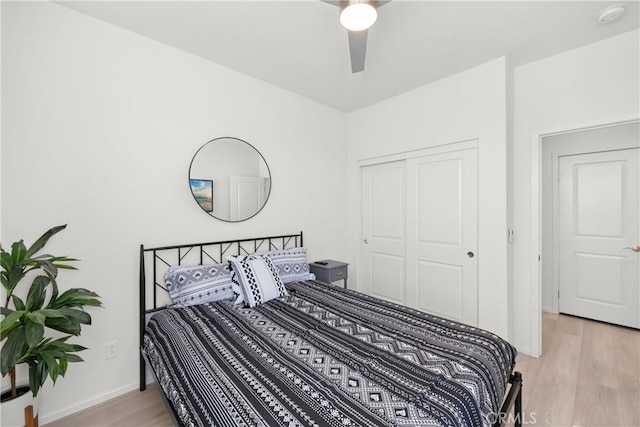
[
  {"x": 442, "y": 234},
  {"x": 383, "y": 228}
]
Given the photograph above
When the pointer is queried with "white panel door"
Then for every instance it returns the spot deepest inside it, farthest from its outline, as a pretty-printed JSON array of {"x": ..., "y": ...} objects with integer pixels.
[
  {"x": 598, "y": 209},
  {"x": 383, "y": 221},
  {"x": 442, "y": 235},
  {"x": 247, "y": 196}
]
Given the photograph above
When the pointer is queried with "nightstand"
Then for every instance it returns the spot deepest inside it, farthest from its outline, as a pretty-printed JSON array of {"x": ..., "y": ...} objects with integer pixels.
[{"x": 331, "y": 271}]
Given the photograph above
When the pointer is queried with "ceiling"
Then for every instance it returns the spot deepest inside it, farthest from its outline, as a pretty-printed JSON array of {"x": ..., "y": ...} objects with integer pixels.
[{"x": 301, "y": 47}]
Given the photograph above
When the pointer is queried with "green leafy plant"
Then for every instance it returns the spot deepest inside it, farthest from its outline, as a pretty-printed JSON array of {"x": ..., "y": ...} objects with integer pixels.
[{"x": 23, "y": 327}]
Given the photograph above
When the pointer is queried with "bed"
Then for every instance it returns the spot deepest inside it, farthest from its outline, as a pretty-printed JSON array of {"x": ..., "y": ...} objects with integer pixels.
[{"x": 318, "y": 355}]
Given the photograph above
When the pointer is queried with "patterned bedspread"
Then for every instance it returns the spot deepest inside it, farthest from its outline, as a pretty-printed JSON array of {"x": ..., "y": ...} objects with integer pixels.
[{"x": 325, "y": 356}]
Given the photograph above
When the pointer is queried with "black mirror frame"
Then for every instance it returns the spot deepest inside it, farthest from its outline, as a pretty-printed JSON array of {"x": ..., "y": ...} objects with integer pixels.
[{"x": 263, "y": 159}]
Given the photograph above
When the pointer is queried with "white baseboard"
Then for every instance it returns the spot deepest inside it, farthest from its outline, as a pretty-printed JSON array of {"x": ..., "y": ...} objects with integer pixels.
[
  {"x": 523, "y": 350},
  {"x": 79, "y": 406}
]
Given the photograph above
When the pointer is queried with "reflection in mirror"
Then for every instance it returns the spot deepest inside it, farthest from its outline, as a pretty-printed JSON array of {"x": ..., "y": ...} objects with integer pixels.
[{"x": 229, "y": 179}]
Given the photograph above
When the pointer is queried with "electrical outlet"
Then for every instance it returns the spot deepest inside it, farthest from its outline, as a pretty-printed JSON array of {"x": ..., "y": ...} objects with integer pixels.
[{"x": 111, "y": 349}]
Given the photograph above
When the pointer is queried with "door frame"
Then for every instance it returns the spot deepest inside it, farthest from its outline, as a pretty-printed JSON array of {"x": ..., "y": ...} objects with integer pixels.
[
  {"x": 536, "y": 214},
  {"x": 438, "y": 149}
]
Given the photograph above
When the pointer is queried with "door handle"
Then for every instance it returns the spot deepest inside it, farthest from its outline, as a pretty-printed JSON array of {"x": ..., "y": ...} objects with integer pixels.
[
  {"x": 470, "y": 254},
  {"x": 366, "y": 242},
  {"x": 633, "y": 248}
]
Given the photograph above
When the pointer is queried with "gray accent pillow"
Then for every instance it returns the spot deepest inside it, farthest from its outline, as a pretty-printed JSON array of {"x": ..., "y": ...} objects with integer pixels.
[
  {"x": 291, "y": 264},
  {"x": 190, "y": 285}
]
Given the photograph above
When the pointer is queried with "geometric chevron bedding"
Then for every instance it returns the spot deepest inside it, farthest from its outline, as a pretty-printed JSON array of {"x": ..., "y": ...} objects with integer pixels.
[{"x": 325, "y": 356}]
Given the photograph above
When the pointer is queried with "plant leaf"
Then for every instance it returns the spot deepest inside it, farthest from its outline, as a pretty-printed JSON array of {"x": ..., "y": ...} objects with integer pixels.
[
  {"x": 12, "y": 349},
  {"x": 49, "y": 313},
  {"x": 63, "y": 324},
  {"x": 36, "y": 295},
  {"x": 10, "y": 321},
  {"x": 36, "y": 317},
  {"x": 6, "y": 311},
  {"x": 34, "y": 377},
  {"x": 49, "y": 268},
  {"x": 34, "y": 332},
  {"x": 4, "y": 278},
  {"x": 52, "y": 365},
  {"x": 13, "y": 277},
  {"x": 76, "y": 297},
  {"x": 74, "y": 358},
  {"x": 60, "y": 262},
  {"x": 18, "y": 252},
  {"x": 42, "y": 240},
  {"x": 37, "y": 375},
  {"x": 18, "y": 303},
  {"x": 6, "y": 262},
  {"x": 64, "y": 364}
]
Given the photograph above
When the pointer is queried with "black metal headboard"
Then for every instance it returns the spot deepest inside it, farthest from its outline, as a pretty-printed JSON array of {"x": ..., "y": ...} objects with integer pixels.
[{"x": 155, "y": 261}]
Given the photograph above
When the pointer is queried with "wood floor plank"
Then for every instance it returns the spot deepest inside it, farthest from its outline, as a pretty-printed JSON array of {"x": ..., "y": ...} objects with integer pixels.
[
  {"x": 596, "y": 365},
  {"x": 569, "y": 325},
  {"x": 630, "y": 400},
  {"x": 528, "y": 366},
  {"x": 627, "y": 354},
  {"x": 597, "y": 405},
  {"x": 552, "y": 403},
  {"x": 140, "y": 409},
  {"x": 559, "y": 364}
]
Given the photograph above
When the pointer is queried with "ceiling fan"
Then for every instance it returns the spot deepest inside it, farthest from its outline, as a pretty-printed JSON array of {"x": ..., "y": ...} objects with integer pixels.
[{"x": 357, "y": 16}]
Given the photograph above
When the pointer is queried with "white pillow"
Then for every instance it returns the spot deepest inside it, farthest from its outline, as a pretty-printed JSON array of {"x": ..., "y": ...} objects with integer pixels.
[{"x": 258, "y": 279}]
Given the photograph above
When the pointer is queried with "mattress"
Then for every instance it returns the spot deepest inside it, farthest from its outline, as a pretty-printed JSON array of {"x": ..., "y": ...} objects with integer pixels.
[{"x": 325, "y": 356}]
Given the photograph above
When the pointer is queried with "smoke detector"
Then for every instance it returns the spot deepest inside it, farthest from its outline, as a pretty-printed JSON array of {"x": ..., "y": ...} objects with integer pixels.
[{"x": 611, "y": 13}]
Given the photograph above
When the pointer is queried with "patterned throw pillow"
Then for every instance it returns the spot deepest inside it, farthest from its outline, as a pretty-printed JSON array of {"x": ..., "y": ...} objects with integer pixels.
[
  {"x": 258, "y": 278},
  {"x": 291, "y": 264},
  {"x": 238, "y": 293},
  {"x": 190, "y": 285}
]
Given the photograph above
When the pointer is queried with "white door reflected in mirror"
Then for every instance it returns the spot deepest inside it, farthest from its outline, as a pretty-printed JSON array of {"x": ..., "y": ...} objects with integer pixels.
[{"x": 229, "y": 179}]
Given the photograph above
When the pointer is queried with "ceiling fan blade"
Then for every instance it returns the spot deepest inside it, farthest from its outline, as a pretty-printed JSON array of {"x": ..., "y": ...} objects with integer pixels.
[{"x": 358, "y": 49}]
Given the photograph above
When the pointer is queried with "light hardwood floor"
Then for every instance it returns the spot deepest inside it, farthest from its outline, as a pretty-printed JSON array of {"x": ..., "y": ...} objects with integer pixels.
[{"x": 589, "y": 375}]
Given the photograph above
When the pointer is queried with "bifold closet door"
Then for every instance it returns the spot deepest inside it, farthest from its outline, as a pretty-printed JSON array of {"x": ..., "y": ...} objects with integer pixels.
[
  {"x": 442, "y": 234},
  {"x": 383, "y": 228}
]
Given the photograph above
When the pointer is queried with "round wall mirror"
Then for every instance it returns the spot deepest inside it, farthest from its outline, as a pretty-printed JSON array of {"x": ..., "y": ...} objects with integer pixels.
[{"x": 229, "y": 179}]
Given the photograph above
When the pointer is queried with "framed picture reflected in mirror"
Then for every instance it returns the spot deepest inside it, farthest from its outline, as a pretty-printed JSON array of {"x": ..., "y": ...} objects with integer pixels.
[{"x": 202, "y": 190}]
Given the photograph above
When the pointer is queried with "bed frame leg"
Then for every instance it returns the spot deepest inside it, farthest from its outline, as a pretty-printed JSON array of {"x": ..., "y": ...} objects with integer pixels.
[
  {"x": 518, "y": 403},
  {"x": 143, "y": 379},
  {"x": 512, "y": 402},
  {"x": 143, "y": 365}
]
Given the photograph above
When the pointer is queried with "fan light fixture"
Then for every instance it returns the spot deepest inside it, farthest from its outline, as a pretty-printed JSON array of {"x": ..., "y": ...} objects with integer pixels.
[
  {"x": 611, "y": 13},
  {"x": 358, "y": 15}
]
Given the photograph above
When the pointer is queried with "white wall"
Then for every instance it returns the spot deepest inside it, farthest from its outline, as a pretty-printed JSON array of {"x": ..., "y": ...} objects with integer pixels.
[
  {"x": 592, "y": 85},
  {"x": 100, "y": 125},
  {"x": 470, "y": 105}
]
